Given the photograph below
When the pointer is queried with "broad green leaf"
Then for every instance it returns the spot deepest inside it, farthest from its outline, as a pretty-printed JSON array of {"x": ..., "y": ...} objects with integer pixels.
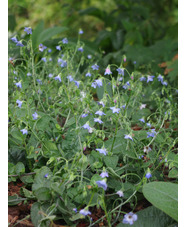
[
  {"x": 111, "y": 161},
  {"x": 43, "y": 194},
  {"x": 19, "y": 168},
  {"x": 14, "y": 200},
  {"x": 106, "y": 88},
  {"x": 163, "y": 195},
  {"x": 43, "y": 123},
  {"x": 151, "y": 217}
]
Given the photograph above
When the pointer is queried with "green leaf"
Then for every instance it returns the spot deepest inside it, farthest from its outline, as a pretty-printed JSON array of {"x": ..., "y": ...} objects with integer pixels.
[
  {"x": 19, "y": 168},
  {"x": 14, "y": 200},
  {"x": 151, "y": 217},
  {"x": 36, "y": 33},
  {"x": 50, "y": 32},
  {"x": 43, "y": 194},
  {"x": 28, "y": 194},
  {"x": 106, "y": 88},
  {"x": 163, "y": 195},
  {"x": 111, "y": 161},
  {"x": 173, "y": 173},
  {"x": 43, "y": 123}
]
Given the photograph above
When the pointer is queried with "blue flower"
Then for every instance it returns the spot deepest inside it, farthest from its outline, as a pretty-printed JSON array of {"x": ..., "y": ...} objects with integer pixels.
[
  {"x": 148, "y": 175},
  {"x": 80, "y": 49},
  {"x": 80, "y": 31},
  {"x": 24, "y": 131},
  {"x": 86, "y": 126},
  {"x": 142, "y": 78},
  {"x": 120, "y": 71},
  {"x": 63, "y": 64},
  {"x": 123, "y": 106},
  {"x": 160, "y": 78},
  {"x": 94, "y": 85},
  {"x": 19, "y": 44},
  {"x": 46, "y": 175},
  {"x": 49, "y": 50},
  {"x": 128, "y": 137},
  {"x": 95, "y": 67},
  {"x": 43, "y": 59},
  {"x": 100, "y": 113},
  {"x": 130, "y": 218},
  {"x": 134, "y": 62},
  {"x": 88, "y": 74},
  {"x": 42, "y": 47},
  {"x": 98, "y": 120},
  {"x": 28, "y": 30},
  {"x": 143, "y": 106},
  {"x": 150, "y": 78},
  {"x": 99, "y": 82},
  {"x": 19, "y": 103},
  {"x": 75, "y": 210},
  {"x": 18, "y": 84},
  {"x": 142, "y": 120},
  {"x": 120, "y": 193},
  {"x": 102, "y": 184},
  {"x": 101, "y": 103},
  {"x": 107, "y": 71},
  {"x": 58, "y": 78},
  {"x": 84, "y": 115},
  {"x": 120, "y": 79},
  {"x": 115, "y": 110},
  {"x": 102, "y": 151},
  {"x": 104, "y": 174},
  {"x": 149, "y": 125},
  {"x": 14, "y": 39},
  {"x": 35, "y": 116},
  {"x": 89, "y": 56},
  {"x": 70, "y": 78},
  {"x": 84, "y": 212},
  {"x": 146, "y": 149},
  {"x": 164, "y": 83},
  {"x": 127, "y": 84},
  {"x": 50, "y": 75},
  {"x": 50, "y": 59},
  {"x": 58, "y": 48},
  {"x": 77, "y": 83},
  {"x": 39, "y": 81},
  {"x": 29, "y": 74},
  {"x": 65, "y": 41},
  {"x": 152, "y": 133}
]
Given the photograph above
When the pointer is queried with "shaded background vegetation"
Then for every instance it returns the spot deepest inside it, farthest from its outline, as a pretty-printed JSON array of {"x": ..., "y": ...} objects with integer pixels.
[{"x": 145, "y": 31}]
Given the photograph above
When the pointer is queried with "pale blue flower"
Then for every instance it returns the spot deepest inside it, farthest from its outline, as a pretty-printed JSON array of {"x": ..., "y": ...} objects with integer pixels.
[
  {"x": 101, "y": 103},
  {"x": 130, "y": 218},
  {"x": 84, "y": 115},
  {"x": 142, "y": 120},
  {"x": 95, "y": 67},
  {"x": 98, "y": 120},
  {"x": 150, "y": 78},
  {"x": 128, "y": 137},
  {"x": 123, "y": 106},
  {"x": 44, "y": 59},
  {"x": 102, "y": 151},
  {"x": 115, "y": 110},
  {"x": 80, "y": 49},
  {"x": 107, "y": 71},
  {"x": 28, "y": 30},
  {"x": 24, "y": 131},
  {"x": 63, "y": 64},
  {"x": 65, "y": 41},
  {"x": 100, "y": 113},
  {"x": 14, "y": 39},
  {"x": 39, "y": 81},
  {"x": 120, "y": 193},
  {"x": 77, "y": 83},
  {"x": 70, "y": 78},
  {"x": 143, "y": 106},
  {"x": 94, "y": 85},
  {"x": 19, "y": 44},
  {"x": 88, "y": 74},
  {"x": 18, "y": 84},
  {"x": 58, "y": 78},
  {"x": 58, "y": 48},
  {"x": 120, "y": 71},
  {"x": 50, "y": 59},
  {"x": 99, "y": 82},
  {"x": 84, "y": 212},
  {"x": 102, "y": 184},
  {"x": 149, "y": 125},
  {"x": 160, "y": 78},
  {"x": 89, "y": 56},
  {"x": 86, "y": 126},
  {"x": 19, "y": 103},
  {"x": 152, "y": 133},
  {"x": 120, "y": 79},
  {"x": 50, "y": 75},
  {"x": 35, "y": 116},
  {"x": 127, "y": 84},
  {"x": 164, "y": 83},
  {"x": 29, "y": 74},
  {"x": 142, "y": 78},
  {"x": 104, "y": 174},
  {"x": 42, "y": 47},
  {"x": 148, "y": 175},
  {"x": 49, "y": 50},
  {"x": 75, "y": 210},
  {"x": 46, "y": 175},
  {"x": 80, "y": 31}
]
